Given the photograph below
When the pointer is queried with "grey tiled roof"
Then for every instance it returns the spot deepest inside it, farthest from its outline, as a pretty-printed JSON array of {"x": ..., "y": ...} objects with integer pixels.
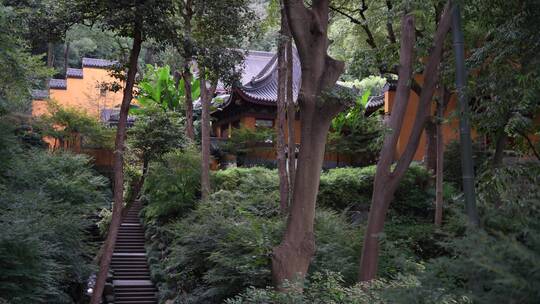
[
  {"x": 74, "y": 73},
  {"x": 262, "y": 88},
  {"x": 374, "y": 103},
  {"x": 58, "y": 84},
  {"x": 40, "y": 94},
  {"x": 377, "y": 101},
  {"x": 97, "y": 63},
  {"x": 110, "y": 116},
  {"x": 254, "y": 62}
]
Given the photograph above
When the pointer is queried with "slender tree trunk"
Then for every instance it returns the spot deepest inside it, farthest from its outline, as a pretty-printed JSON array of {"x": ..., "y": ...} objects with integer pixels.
[
  {"x": 290, "y": 260},
  {"x": 386, "y": 179},
  {"x": 291, "y": 113},
  {"x": 110, "y": 242},
  {"x": 499, "y": 148},
  {"x": 440, "y": 162},
  {"x": 281, "y": 112},
  {"x": 467, "y": 162},
  {"x": 383, "y": 186},
  {"x": 206, "y": 98}
]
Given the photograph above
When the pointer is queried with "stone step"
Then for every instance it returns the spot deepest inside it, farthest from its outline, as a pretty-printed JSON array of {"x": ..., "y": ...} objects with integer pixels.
[{"x": 131, "y": 275}]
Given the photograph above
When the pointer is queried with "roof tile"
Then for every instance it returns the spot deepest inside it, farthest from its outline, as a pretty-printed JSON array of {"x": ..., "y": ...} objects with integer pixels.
[
  {"x": 74, "y": 73},
  {"x": 58, "y": 84},
  {"x": 97, "y": 63}
]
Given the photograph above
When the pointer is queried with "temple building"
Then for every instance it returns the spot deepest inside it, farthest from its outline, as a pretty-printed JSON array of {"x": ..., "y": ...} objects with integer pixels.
[
  {"x": 253, "y": 105},
  {"x": 85, "y": 90}
]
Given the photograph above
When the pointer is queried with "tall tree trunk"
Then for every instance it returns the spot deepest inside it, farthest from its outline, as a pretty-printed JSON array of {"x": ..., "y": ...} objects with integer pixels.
[
  {"x": 290, "y": 260},
  {"x": 383, "y": 188},
  {"x": 205, "y": 137},
  {"x": 281, "y": 112},
  {"x": 467, "y": 162},
  {"x": 291, "y": 113},
  {"x": 500, "y": 144},
  {"x": 110, "y": 242},
  {"x": 386, "y": 179},
  {"x": 440, "y": 161}
]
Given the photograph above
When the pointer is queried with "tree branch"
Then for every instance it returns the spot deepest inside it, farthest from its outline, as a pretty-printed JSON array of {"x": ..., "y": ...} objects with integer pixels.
[
  {"x": 389, "y": 27},
  {"x": 431, "y": 76},
  {"x": 406, "y": 58},
  {"x": 363, "y": 23},
  {"x": 531, "y": 145}
]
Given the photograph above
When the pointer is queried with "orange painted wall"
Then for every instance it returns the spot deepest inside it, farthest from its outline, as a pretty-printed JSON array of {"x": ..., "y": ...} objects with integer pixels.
[
  {"x": 270, "y": 154},
  {"x": 83, "y": 94},
  {"x": 450, "y": 126}
]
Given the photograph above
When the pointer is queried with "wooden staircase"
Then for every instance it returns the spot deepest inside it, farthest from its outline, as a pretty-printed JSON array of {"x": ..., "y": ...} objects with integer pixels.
[{"x": 131, "y": 276}]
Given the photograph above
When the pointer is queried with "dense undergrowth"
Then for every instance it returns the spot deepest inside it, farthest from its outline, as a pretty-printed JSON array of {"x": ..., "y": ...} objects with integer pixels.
[
  {"x": 220, "y": 250},
  {"x": 497, "y": 263},
  {"x": 223, "y": 246},
  {"x": 45, "y": 203}
]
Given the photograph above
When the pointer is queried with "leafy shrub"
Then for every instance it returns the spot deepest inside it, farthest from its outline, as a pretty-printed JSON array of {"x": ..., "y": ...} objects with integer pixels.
[
  {"x": 499, "y": 262},
  {"x": 246, "y": 179},
  {"x": 329, "y": 288},
  {"x": 105, "y": 216},
  {"x": 452, "y": 162},
  {"x": 172, "y": 186},
  {"x": 224, "y": 245},
  {"x": 351, "y": 188},
  {"x": 45, "y": 200}
]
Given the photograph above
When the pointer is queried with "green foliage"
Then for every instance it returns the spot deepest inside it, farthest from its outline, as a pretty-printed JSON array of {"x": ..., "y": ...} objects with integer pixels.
[
  {"x": 506, "y": 82},
  {"x": 247, "y": 140},
  {"x": 172, "y": 185},
  {"x": 85, "y": 41},
  {"x": 67, "y": 125},
  {"x": 45, "y": 201},
  {"x": 218, "y": 40},
  {"x": 105, "y": 216},
  {"x": 328, "y": 287},
  {"x": 224, "y": 245},
  {"x": 158, "y": 88},
  {"x": 245, "y": 179},
  {"x": 452, "y": 162},
  {"x": 155, "y": 132},
  {"x": 496, "y": 263},
  {"x": 351, "y": 188},
  {"x": 25, "y": 71},
  {"x": 354, "y": 134}
]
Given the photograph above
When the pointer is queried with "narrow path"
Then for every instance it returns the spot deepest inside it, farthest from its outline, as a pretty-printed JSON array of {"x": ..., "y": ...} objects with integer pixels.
[{"x": 131, "y": 276}]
